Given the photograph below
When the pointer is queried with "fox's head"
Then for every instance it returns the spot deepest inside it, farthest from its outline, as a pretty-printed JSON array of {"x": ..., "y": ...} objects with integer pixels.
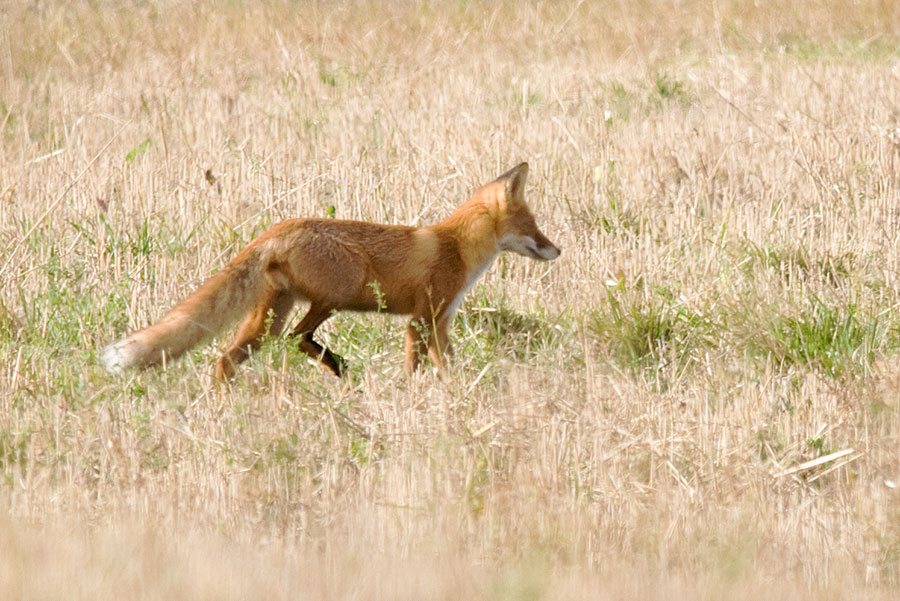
[{"x": 516, "y": 229}]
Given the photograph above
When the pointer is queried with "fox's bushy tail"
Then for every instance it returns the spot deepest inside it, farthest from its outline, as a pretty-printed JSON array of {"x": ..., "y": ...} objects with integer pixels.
[{"x": 219, "y": 302}]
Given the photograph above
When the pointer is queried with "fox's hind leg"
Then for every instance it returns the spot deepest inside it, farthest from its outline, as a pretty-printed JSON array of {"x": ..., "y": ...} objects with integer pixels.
[
  {"x": 304, "y": 331},
  {"x": 414, "y": 345},
  {"x": 254, "y": 327}
]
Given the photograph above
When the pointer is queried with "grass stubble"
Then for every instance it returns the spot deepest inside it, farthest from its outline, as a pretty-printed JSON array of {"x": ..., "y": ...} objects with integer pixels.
[{"x": 697, "y": 400}]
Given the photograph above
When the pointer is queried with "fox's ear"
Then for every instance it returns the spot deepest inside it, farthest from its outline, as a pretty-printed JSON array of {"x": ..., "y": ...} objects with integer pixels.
[{"x": 515, "y": 181}]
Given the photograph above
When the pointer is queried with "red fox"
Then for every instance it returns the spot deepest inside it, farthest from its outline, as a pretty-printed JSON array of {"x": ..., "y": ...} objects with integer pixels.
[{"x": 347, "y": 265}]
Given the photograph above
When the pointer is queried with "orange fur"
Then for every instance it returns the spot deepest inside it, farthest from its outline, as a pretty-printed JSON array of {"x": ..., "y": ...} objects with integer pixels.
[{"x": 347, "y": 265}]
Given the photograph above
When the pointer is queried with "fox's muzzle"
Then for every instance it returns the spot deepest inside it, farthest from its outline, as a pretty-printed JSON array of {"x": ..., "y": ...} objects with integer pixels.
[{"x": 544, "y": 250}]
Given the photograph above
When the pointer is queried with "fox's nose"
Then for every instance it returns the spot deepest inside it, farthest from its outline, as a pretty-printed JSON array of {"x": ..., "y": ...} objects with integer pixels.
[{"x": 548, "y": 252}]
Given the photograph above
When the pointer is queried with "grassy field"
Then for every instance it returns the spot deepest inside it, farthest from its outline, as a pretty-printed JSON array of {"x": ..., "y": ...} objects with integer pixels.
[{"x": 700, "y": 399}]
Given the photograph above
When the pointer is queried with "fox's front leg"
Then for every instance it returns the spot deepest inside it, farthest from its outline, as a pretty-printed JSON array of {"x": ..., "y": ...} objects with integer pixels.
[
  {"x": 439, "y": 348},
  {"x": 422, "y": 334}
]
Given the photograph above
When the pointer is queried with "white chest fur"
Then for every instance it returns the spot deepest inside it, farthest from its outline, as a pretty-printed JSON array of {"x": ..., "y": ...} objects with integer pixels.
[{"x": 474, "y": 277}]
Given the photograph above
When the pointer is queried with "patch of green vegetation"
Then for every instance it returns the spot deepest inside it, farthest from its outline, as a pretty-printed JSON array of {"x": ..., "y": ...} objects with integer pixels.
[
  {"x": 648, "y": 331},
  {"x": 770, "y": 443},
  {"x": 526, "y": 98},
  {"x": 363, "y": 339},
  {"x": 329, "y": 76},
  {"x": 791, "y": 262},
  {"x": 833, "y": 339},
  {"x": 479, "y": 481},
  {"x": 621, "y": 103},
  {"x": 282, "y": 450},
  {"x": 528, "y": 580},
  {"x": 837, "y": 268},
  {"x": 607, "y": 212},
  {"x": 138, "y": 150},
  {"x": 624, "y": 102},
  {"x": 887, "y": 538},
  {"x": 360, "y": 450},
  {"x": 488, "y": 329},
  {"x": 777, "y": 258},
  {"x": 7, "y": 120},
  {"x": 65, "y": 309},
  {"x": 143, "y": 242},
  {"x": 806, "y": 49},
  {"x": 667, "y": 87},
  {"x": 877, "y": 50},
  {"x": 13, "y": 450},
  {"x": 335, "y": 75},
  {"x": 801, "y": 47},
  {"x": 8, "y": 327},
  {"x": 820, "y": 445}
]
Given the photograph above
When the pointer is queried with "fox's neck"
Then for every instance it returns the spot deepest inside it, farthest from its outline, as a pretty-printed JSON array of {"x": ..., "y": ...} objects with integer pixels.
[{"x": 474, "y": 227}]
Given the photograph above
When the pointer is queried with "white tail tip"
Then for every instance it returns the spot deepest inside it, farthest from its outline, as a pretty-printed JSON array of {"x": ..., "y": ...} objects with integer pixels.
[{"x": 120, "y": 355}]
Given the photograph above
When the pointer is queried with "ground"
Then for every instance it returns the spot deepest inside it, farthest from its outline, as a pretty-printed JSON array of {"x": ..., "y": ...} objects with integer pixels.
[{"x": 698, "y": 399}]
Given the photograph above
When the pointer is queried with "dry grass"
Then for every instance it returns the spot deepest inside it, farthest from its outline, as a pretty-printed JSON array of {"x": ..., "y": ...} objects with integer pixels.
[{"x": 638, "y": 419}]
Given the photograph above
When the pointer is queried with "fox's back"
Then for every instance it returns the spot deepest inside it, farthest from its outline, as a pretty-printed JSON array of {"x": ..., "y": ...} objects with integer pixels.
[{"x": 359, "y": 265}]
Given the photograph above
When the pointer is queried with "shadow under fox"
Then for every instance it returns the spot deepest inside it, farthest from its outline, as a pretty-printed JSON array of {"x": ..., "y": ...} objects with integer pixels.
[{"x": 346, "y": 265}]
